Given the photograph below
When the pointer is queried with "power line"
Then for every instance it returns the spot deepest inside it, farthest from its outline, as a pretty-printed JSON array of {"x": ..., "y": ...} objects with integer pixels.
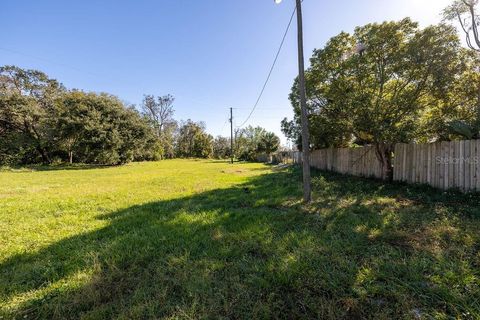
[
  {"x": 271, "y": 69},
  {"x": 223, "y": 127}
]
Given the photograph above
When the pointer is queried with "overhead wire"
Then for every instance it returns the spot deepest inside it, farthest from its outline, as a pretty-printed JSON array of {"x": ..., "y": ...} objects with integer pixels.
[
  {"x": 271, "y": 69},
  {"x": 223, "y": 127}
]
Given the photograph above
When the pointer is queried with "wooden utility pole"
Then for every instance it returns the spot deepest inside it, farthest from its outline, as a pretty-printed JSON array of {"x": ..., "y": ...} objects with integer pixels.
[
  {"x": 307, "y": 193},
  {"x": 231, "y": 134}
]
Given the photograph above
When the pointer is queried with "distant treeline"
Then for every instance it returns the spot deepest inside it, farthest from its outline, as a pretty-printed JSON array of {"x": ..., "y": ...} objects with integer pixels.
[{"x": 43, "y": 122}]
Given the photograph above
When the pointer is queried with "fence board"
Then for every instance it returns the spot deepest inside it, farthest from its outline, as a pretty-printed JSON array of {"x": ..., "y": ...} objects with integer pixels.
[
  {"x": 466, "y": 166},
  {"x": 458, "y": 164},
  {"x": 477, "y": 166},
  {"x": 451, "y": 147},
  {"x": 472, "y": 164},
  {"x": 354, "y": 161},
  {"x": 437, "y": 165},
  {"x": 444, "y": 165}
]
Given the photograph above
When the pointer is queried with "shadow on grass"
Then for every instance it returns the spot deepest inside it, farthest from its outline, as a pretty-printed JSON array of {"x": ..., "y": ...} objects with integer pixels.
[{"x": 361, "y": 250}]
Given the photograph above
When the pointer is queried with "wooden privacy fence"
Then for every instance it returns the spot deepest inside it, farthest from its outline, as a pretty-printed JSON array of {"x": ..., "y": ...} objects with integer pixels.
[
  {"x": 355, "y": 161},
  {"x": 444, "y": 165},
  {"x": 283, "y": 157}
]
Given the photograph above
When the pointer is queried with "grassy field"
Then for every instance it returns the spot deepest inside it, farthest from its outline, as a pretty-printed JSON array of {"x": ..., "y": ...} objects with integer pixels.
[{"x": 202, "y": 239}]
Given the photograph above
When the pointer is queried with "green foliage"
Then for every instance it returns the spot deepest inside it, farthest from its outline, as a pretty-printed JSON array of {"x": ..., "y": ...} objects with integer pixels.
[
  {"x": 455, "y": 112},
  {"x": 382, "y": 93},
  {"x": 193, "y": 141},
  {"x": 40, "y": 121},
  {"x": 465, "y": 13},
  {"x": 247, "y": 141},
  {"x": 251, "y": 141},
  {"x": 292, "y": 130},
  {"x": 204, "y": 239},
  {"x": 462, "y": 129},
  {"x": 27, "y": 101},
  {"x": 221, "y": 148},
  {"x": 97, "y": 128},
  {"x": 269, "y": 143},
  {"x": 159, "y": 113}
]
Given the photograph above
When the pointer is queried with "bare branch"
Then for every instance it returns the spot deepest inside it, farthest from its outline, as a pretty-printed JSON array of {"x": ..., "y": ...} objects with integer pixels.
[
  {"x": 469, "y": 24},
  {"x": 474, "y": 23}
]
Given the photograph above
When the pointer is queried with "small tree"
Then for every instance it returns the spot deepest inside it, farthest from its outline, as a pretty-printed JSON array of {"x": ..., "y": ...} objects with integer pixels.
[
  {"x": 269, "y": 143},
  {"x": 247, "y": 141},
  {"x": 221, "y": 147},
  {"x": 193, "y": 141},
  {"x": 159, "y": 112}
]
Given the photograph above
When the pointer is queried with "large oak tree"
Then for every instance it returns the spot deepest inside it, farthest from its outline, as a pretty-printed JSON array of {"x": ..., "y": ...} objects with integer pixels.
[
  {"x": 374, "y": 86},
  {"x": 27, "y": 99}
]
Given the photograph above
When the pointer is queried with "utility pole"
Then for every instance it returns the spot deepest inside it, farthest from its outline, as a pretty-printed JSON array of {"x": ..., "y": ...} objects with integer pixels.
[
  {"x": 307, "y": 193},
  {"x": 231, "y": 134}
]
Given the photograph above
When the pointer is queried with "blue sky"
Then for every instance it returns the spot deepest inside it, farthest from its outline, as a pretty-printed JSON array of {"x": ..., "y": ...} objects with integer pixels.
[{"x": 210, "y": 54}]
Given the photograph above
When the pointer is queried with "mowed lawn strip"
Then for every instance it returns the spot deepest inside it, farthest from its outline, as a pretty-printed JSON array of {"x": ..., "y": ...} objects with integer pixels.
[{"x": 206, "y": 239}]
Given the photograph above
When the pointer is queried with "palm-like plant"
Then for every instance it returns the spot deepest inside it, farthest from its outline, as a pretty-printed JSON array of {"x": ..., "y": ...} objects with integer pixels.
[{"x": 269, "y": 143}]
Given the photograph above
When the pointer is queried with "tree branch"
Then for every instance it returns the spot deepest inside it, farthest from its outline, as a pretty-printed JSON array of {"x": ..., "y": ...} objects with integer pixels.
[{"x": 474, "y": 24}]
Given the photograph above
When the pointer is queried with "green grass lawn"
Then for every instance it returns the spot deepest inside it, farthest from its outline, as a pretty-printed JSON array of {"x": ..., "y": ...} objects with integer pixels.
[{"x": 203, "y": 239}]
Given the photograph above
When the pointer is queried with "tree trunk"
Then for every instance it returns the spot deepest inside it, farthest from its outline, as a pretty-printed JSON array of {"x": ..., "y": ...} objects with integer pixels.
[
  {"x": 70, "y": 156},
  {"x": 30, "y": 130},
  {"x": 384, "y": 155},
  {"x": 43, "y": 153}
]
